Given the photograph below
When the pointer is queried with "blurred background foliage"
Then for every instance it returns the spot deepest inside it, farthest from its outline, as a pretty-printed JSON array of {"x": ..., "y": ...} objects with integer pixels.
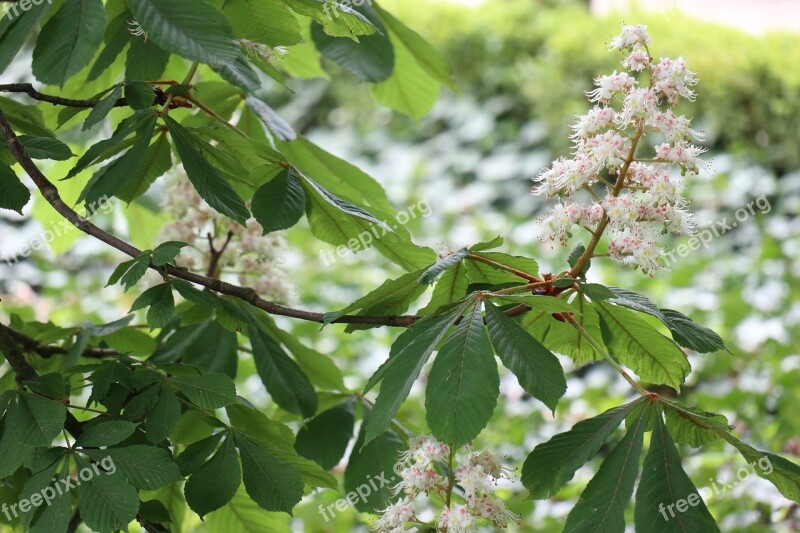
[{"x": 521, "y": 67}]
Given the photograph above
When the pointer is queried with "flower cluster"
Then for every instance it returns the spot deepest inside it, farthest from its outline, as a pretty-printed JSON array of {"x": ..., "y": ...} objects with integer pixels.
[
  {"x": 253, "y": 258},
  {"x": 633, "y": 199},
  {"x": 423, "y": 479}
]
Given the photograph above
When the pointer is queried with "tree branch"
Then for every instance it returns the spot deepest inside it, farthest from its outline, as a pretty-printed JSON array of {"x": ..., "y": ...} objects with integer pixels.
[
  {"x": 27, "y": 88},
  {"x": 50, "y": 193},
  {"x": 45, "y": 351}
]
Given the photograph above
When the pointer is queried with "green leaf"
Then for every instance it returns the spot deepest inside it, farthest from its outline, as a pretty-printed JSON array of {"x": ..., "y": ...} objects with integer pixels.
[
  {"x": 163, "y": 417},
  {"x": 565, "y": 338},
  {"x": 595, "y": 291},
  {"x": 487, "y": 245},
  {"x": 373, "y": 461},
  {"x": 409, "y": 353},
  {"x": 214, "y": 484},
  {"x": 663, "y": 485},
  {"x": 243, "y": 514},
  {"x": 576, "y": 254},
  {"x": 273, "y": 484},
  {"x": 284, "y": 379},
  {"x": 240, "y": 73},
  {"x": 279, "y": 203},
  {"x": 108, "y": 147},
  {"x": 140, "y": 95},
  {"x": 463, "y": 384},
  {"x": 393, "y": 297},
  {"x": 45, "y": 148},
  {"x": 451, "y": 287},
  {"x": 538, "y": 302},
  {"x": 694, "y": 427},
  {"x": 15, "y": 29},
  {"x": 337, "y": 19},
  {"x": 13, "y": 194},
  {"x": 102, "y": 108},
  {"x": 637, "y": 345},
  {"x": 14, "y": 452},
  {"x": 161, "y": 305},
  {"x": 446, "y": 262},
  {"x": 410, "y": 89},
  {"x": 154, "y": 511},
  {"x": 68, "y": 40},
  {"x": 156, "y": 162},
  {"x": 145, "y": 467},
  {"x": 112, "y": 178},
  {"x": 105, "y": 433},
  {"x": 196, "y": 30},
  {"x": 369, "y": 59},
  {"x": 427, "y": 56},
  {"x": 602, "y": 504},
  {"x": 207, "y": 180},
  {"x": 479, "y": 272},
  {"x": 106, "y": 502},
  {"x": 196, "y": 454},
  {"x": 116, "y": 38},
  {"x": 692, "y": 335},
  {"x": 263, "y": 21},
  {"x": 320, "y": 368},
  {"x": 685, "y": 332},
  {"x": 166, "y": 252},
  {"x": 209, "y": 391},
  {"x": 552, "y": 464},
  {"x": 271, "y": 119},
  {"x": 34, "y": 420},
  {"x": 536, "y": 368},
  {"x": 325, "y": 437},
  {"x": 56, "y": 516}
]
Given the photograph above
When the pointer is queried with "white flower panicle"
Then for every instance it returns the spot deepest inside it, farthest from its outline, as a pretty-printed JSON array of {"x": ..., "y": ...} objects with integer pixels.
[
  {"x": 423, "y": 478},
  {"x": 633, "y": 197},
  {"x": 254, "y": 260}
]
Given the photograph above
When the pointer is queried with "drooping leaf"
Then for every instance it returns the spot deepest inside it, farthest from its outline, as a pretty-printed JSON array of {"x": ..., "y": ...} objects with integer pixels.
[
  {"x": 263, "y": 21},
  {"x": 161, "y": 305},
  {"x": 536, "y": 368},
  {"x": 34, "y": 420},
  {"x": 45, "y": 148},
  {"x": 463, "y": 384},
  {"x": 209, "y": 391},
  {"x": 207, "y": 180},
  {"x": 408, "y": 355},
  {"x": 663, "y": 485},
  {"x": 107, "y": 502},
  {"x": 140, "y": 95},
  {"x": 602, "y": 504},
  {"x": 105, "y": 433},
  {"x": 284, "y": 379},
  {"x": 273, "y": 484},
  {"x": 553, "y": 463},
  {"x": 446, "y": 262},
  {"x": 102, "y": 108},
  {"x": 163, "y": 417}
]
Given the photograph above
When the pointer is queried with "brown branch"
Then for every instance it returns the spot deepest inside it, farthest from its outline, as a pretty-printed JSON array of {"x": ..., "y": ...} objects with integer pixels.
[
  {"x": 50, "y": 193},
  {"x": 32, "y": 345},
  {"x": 27, "y": 88}
]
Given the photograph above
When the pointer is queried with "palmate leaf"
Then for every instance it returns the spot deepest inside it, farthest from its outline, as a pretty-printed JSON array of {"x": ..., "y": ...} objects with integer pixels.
[
  {"x": 552, "y": 464},
  {"x": 273, "y": 484},
  {"x": 536, "y": 368},
  {"x": 693, "y": 426},
  {"x": 145, "y": 467},
  {"x": 451, "y": 287},
  {"x": 640, "y": 347},
  {"x": 463, "y": 384},
  {"x": 15, "y": 28},
  {"x": 192, "y": 29},
  {"x": 563, "y": 337},
  {"x": 263, "y": 21},
  {"x": 325, "y": 437},
  {"x": 209, "y": 391},
  {"x": 35, "y": 421},
  {"x": 662, "y": 485},
  {"x": 68, "y": 40},
  {"x": 601, "y": 507},
  {"x": 409, "y": 353}
]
